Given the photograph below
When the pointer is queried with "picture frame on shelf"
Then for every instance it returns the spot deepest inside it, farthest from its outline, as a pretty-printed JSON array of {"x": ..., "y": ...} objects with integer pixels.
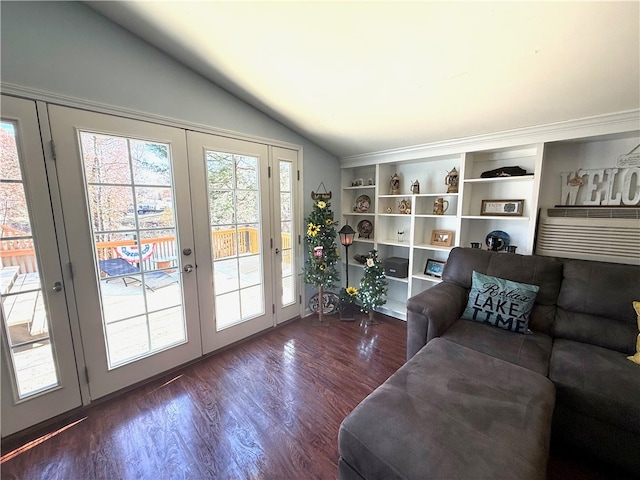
[
  {"x": 434, "y": 268},
  {"x": 504, "y": 208},
  {"x": 442, "y": 238}
]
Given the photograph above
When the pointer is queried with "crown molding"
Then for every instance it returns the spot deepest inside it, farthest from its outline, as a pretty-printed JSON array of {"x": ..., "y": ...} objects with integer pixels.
[
  {"x": 607, "y": 124},
  {"x": 98, "y": 107}
]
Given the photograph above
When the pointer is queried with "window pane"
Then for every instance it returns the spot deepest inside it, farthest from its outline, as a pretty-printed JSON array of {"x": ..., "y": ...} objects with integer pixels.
[
  {"x": 151, "y": 165},
  {"x": 246, "y": 172},
  {"x": 106, "y": 159},
  {"x": 247, "y": 207},
  {"x": 111, "y": 208}
]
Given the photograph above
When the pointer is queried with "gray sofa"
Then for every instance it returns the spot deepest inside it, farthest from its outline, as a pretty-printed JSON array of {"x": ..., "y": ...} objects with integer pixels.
[{"x": 441, "y": 417}]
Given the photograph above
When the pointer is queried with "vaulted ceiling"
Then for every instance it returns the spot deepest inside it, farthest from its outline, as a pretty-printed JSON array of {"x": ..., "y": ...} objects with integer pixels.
[{"x": 366, "y": 76}]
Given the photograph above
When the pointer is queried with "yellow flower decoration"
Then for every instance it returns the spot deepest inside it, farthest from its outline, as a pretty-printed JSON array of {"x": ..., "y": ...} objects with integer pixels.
[
  {"x": 323, "y": 266},
  {"x": 321, "y": 204},
  {"x": 313, "y": 230},
  {"x": 328, "y": 221},
  {"x": 352, "y": 291}
]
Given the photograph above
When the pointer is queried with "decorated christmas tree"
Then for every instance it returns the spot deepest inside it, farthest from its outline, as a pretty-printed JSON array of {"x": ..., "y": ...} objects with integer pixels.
[
  {"x": 373, "y": 286},
  {"x": 320, "y": 265}
]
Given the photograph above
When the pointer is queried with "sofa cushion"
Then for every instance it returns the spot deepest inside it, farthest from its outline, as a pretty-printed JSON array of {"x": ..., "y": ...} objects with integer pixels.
[
  {"x": 596, "y": 382},
  {"x": 452, "y": 412},
  {"x": 635, "y": 358},
  {"x": 532, "y": 351},
  {"x": 500, "y": 302},
  {"x": 545, "y": 272},
  {"x": 595, "y": 304}
]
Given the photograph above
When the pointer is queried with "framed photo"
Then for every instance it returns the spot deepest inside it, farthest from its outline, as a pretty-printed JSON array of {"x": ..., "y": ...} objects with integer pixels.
[
  {"x": 442, "y": 238},
  {"x": 510, "y": 208},
  {"x": 434, "y": 268}
]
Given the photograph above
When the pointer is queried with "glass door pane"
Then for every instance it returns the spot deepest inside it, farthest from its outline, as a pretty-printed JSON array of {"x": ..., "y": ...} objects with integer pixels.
[
  {"x": 132, "y": 218},
  {"x": 39, "y": 376},
  {"x": 234, "y": 216},
  {"x": 26, "y": 321}
]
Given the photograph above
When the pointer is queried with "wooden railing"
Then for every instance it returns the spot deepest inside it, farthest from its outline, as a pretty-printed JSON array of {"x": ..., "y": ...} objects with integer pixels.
[{"x": 16, "y": 247}]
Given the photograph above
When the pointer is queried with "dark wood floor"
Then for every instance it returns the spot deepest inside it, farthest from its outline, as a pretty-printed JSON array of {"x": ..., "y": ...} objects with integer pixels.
[{"x": 268, "y": 408}]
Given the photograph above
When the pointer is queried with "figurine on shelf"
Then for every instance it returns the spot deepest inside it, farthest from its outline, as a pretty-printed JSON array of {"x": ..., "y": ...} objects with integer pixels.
[
  {"x": 439, "y": 207},
  {"x": 451, "y": 180},
  {"x": 405, "y": 206},
  {"x": 415, "y": 188},
  {"x": 395, "y": 184}
]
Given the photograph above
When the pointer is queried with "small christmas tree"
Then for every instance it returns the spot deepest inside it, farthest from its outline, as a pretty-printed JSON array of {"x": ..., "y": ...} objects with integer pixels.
[
  {"x": 320, "y": 265},
  {"x": 373, "y": 285}
]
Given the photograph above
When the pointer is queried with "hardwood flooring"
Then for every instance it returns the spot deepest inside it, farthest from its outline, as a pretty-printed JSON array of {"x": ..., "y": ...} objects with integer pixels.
[{"x": 268, "y": 408}]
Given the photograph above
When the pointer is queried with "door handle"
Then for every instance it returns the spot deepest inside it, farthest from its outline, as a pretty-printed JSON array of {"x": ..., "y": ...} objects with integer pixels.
[
  {"x": 187, "y": 251},
  {"x": 277, "y": 251},
  {"x": 188, "y": 268},
  {"x": 57, "y": 287}
]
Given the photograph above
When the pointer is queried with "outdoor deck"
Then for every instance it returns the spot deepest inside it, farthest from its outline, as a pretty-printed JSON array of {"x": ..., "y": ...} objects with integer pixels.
[{"x": 27, "y": 326}]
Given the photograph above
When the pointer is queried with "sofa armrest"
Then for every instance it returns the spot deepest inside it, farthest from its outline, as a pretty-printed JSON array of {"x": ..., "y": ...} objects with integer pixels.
[{"x": 432, "y": 312}]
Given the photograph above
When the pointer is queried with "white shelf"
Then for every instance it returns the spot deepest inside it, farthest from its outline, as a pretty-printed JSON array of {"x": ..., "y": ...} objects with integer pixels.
[
  {"x": 426, "y": 246},
  {"x": 495, "y": 217},
  {"x": 393, "y": 215},
  {"x": 394, "y": 243},
  {"x": 522, "y": 178},
  {"x": 428, "y": 278},
  {"x": 395, "y": 196},
  {"x": 359, "y": 187},
  {"x": 359, "y": 214},
  {"x": 431, "y": 215},
  {"x": 436, "y": 195}
]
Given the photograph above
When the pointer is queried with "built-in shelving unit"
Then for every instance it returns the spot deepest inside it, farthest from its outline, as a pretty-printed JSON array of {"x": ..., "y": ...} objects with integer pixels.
[{"x": 590, "y": 143}]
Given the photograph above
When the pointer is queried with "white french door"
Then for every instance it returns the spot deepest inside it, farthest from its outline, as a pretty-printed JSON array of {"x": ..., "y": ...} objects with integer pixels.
[
  {"x": 286, "y": 278},
  {"x": 125, "y": 193},
  {"x": 39, "y": 375},
  {"x": 243, "y": 197},
  {"x": 174, "y": 244}
]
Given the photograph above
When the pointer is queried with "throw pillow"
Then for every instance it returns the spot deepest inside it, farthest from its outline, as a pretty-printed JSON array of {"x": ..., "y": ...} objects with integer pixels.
[
  {"x": 636, "y": 358},
  {"x": 500, "y": 302}
]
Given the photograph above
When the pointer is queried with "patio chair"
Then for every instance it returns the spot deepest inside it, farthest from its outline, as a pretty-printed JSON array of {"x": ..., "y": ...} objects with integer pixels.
[{"x": 120, "y": 268}]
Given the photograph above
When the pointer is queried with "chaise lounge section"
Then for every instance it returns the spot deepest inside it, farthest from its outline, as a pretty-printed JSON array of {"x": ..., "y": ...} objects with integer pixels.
[{"x": 452, "y": 410}]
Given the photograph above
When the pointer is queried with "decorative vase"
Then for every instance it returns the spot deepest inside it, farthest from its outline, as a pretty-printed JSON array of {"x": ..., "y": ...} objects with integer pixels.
[
  {"x": 370, "y": 320},
  {"x": 348, "y": 312}
]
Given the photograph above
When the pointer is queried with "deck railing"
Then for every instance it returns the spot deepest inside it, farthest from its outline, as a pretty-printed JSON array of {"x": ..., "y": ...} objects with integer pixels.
[{"x": 16, "y": 247}]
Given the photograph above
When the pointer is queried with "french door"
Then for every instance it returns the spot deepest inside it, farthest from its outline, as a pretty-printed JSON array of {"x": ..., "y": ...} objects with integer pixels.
[
  {"x": 244, "y": 204},
  {"x": 126, "y": 199},
  {"x": 180, "y": 242},
  {"x": 39, "y": 376}
]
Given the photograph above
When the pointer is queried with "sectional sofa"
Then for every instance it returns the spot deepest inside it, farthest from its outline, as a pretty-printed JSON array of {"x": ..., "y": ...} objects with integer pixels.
[{"x": 478, "y": 401}]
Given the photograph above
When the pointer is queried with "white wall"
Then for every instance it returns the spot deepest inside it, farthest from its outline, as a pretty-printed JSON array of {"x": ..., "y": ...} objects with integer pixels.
[{"x": 68, "y": 49}]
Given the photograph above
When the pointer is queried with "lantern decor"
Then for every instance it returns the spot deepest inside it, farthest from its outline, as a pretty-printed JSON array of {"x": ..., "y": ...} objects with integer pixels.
[
  {"x": 320, "y": 265},
  {"x": 373, "y": 286},
  {"x": 349, "y": 294}
]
